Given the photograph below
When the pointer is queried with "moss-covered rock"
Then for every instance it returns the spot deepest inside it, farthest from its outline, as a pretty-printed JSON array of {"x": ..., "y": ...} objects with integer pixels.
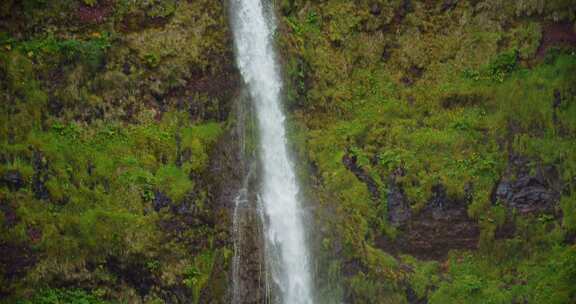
[
  {"x": 412, "y": 113},
  {"x": 110, "y": 113}
]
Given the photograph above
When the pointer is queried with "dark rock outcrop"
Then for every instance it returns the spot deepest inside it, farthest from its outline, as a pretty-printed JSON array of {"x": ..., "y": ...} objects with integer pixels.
[
  {"x": 525, "y": 192},
  {"x": 15, "y": 261},
  {"x": 40, "y": 176},
  {"x": 561, "y": 34},
  {"x": 350, "y": 161},
  {"x": 441, "y": 226},
  {"x": 16, "y": 258},
  {"x": 160, "y": 201},
  {"x": 448, "y": 5},
  {"x": 429, "y": 234},
  {"x": 230, "y": 168},
  {"x": 13, "y": 180},
  {"x": 397, "y": 204},
  {"x": 134, "y": 272}
]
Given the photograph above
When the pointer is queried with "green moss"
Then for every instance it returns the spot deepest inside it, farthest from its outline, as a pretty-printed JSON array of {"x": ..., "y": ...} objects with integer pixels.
[
  {"x": 471, "y": 289},
  {"x": 100, "y": 179},
  {"x": 46, "y": 49},
  {"x": 497, "y": 70},
  {"x": 526, "y": 38},
  {"x": 56, "y": 296},
  {"x": 425, "y": 276},
  {"x": 173, "y": 181},
  {"x": 442, "y": 94},
  {"x": 90, "y": 2},
  {"x": 495, "y": 278},
  {"x": 196, "y": 276},
  {"x": 89, "y": 119},
  {"x": 568, "y": 204}
]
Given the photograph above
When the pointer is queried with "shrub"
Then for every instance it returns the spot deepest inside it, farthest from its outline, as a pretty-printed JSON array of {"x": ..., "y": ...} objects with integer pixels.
[
  {"x": 90, "y": 52},
  {"x": 503, "y": 65},
  {"x": 61, "y": 296}
]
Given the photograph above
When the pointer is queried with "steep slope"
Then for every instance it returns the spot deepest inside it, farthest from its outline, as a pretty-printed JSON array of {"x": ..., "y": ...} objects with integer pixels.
[
  {"x": 109, "y": 114},
  {"x": 441, "y": 136},
  {"x": 438, "y": 139}
]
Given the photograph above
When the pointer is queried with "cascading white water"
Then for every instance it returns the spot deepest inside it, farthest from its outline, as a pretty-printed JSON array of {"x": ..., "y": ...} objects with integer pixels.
[{"x": 286, "y": 250}]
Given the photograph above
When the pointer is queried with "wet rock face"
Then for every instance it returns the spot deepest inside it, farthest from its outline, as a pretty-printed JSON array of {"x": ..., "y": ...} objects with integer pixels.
[
  {"x": 526, "y": 195},
  {"x": 397, "y": 204},
  {"x": 227, "y": 176},
  {"x": 251, "y": 282},
  {"x": 443, "y": 225},
  {"x": 525, "y": 192}
]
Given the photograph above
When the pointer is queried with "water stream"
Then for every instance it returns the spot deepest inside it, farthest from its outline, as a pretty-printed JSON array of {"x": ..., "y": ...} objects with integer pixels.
[{"x": 286, "y": 253}]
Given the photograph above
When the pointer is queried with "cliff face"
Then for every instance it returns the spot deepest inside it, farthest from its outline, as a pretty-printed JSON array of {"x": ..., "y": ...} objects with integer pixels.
[
  {"x": 110, "y": 112},
  {"x": 439, "y": 138}
]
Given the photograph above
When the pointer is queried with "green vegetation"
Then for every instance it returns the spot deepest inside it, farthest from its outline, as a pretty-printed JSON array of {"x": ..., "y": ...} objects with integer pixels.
[
  {"x": 105, "y": 142},
  {"x": 57, "y": 296},
  {"x": 414, "y": 93},
  {"x": 534, "y": 270},
  {"x": 51, "y": 49},
  {"x": 110, "y": 112}
]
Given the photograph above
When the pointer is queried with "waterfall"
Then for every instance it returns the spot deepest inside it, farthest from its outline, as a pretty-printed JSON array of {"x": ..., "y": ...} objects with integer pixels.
[{"x": 286, "y": 253}]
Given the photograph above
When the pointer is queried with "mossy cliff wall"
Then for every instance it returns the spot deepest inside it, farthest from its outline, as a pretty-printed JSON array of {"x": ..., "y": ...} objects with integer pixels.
[
  {"x": 110, "y": 112},
  {"x": 438, "y": 139},
  {"x": 441, "y": 136}
]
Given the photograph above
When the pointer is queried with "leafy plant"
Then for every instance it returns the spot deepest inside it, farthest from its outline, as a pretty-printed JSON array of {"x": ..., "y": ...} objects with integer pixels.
[
  {"x": 497, "y": 70},
  {"x": 503, "y": 65},
  {"x": 61, "y": 296},
  {"x": 152, "y": 59}
]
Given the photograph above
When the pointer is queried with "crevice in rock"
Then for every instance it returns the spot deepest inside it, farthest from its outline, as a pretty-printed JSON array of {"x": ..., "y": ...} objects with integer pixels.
[{"x": 350, "y": 161}]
